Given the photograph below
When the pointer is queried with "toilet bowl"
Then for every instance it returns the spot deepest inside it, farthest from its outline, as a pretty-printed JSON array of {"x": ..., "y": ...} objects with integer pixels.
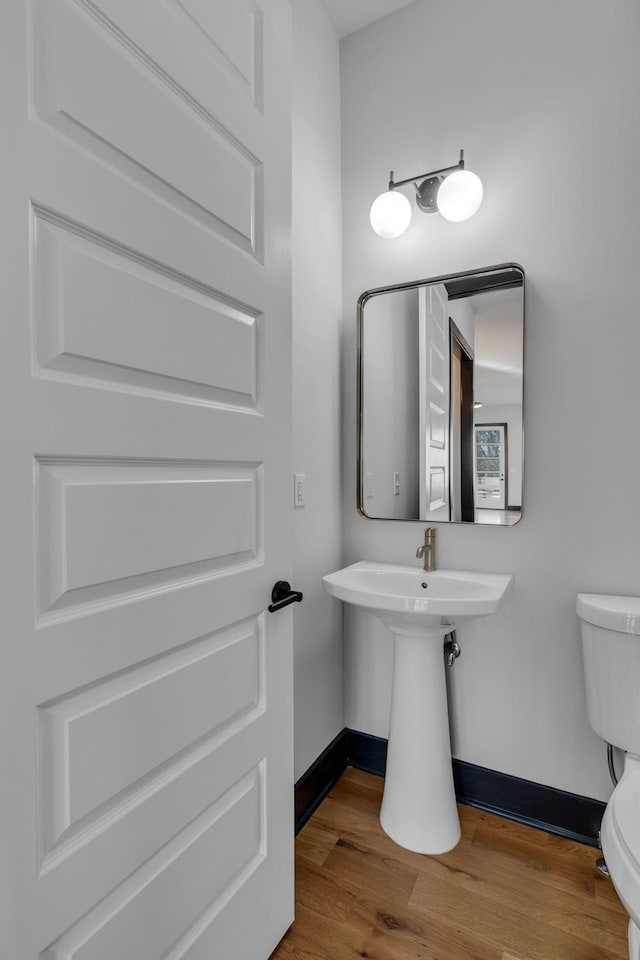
[
  {"x": 610, "y": 628},
  {"x": 620, "y": 838}
]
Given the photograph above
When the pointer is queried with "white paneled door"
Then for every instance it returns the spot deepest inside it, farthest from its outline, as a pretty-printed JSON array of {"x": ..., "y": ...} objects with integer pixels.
[{"x": 145, "y": 691}]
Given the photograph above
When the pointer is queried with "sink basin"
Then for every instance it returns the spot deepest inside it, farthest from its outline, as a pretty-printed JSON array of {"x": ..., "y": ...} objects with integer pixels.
[
  {"x": 419, "y": 802},
  {"x": 404, "y": 595}
]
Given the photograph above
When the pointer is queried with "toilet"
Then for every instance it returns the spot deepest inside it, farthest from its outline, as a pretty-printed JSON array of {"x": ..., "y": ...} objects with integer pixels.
[{"x": 611, "y": 650}]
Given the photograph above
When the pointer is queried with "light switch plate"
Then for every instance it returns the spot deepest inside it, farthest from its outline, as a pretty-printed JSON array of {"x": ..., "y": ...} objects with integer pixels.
[{"x": 299, "y": 491}]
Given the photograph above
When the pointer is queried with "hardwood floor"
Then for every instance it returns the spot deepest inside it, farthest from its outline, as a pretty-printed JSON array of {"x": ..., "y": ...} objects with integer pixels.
[{"x": 507, "y": 892}]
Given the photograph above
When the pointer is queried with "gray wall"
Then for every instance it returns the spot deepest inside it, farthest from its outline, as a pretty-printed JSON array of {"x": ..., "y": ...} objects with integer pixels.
[
  {"x": 543, "y": 98},
  {"x": 319, "y": 713}
]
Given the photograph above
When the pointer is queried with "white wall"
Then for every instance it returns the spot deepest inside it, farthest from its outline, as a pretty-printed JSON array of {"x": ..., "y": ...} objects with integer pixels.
[
  {"x": 319, "y": 714},
  {"x": 461, "y": 312},
  {"x": 390, "y": 405},
  {"x": 543, "y": 98}
]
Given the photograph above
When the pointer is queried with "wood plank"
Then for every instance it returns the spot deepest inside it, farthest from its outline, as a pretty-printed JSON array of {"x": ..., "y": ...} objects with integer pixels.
[
  {"x": 314, "y": 843},
  {"x": 313, "y": 937},
  {"x": 507, "y": 891},
  {"x": 353, "y": 827},
  {"x": 565, "y": 870},
  {"x": 361, "y": 870},
  {"x": 518, "y": 918},
  {"x": 320, "y": 893}
]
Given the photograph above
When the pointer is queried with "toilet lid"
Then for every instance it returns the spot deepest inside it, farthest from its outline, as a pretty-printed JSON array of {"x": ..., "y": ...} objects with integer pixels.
[
  {"x": 625, "y": 809},
  {"x": 612, "y": 613}
]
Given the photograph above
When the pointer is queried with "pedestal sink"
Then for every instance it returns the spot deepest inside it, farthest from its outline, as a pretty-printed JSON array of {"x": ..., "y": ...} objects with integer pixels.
[{"x": 419, "y": 804}]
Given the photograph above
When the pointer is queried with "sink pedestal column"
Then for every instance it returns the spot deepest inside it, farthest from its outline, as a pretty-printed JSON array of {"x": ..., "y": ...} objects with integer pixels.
[{"x": 419, "y": 803}]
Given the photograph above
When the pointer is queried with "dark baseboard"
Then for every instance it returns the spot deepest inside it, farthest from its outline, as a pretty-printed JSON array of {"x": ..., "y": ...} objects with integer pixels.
[
  {"x": 322, "y": 775},
  {"x": 566, "y": 814},
  {"x": 536, "y": 805},
  {"x": 367, "y": 753}
]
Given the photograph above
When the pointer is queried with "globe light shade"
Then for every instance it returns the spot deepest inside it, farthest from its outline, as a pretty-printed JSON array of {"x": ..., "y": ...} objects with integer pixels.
[
  {"x": 390, "y": 214},
  {"x": 460, "y": 195}
]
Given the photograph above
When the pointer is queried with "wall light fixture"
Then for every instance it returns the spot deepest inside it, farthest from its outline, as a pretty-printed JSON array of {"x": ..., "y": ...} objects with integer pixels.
[{"x": 454, "y": 192}]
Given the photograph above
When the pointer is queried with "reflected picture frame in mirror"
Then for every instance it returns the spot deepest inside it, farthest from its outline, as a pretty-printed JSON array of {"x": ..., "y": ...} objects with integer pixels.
[{"x": 440, "y": 395}]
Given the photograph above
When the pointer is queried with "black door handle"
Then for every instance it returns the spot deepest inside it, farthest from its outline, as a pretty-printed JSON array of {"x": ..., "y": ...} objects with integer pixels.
[{"x": 282, "y": 595}]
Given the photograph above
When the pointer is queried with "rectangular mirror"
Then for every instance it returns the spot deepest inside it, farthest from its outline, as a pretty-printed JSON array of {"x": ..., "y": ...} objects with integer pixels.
[{"x": 440, "y": 391}]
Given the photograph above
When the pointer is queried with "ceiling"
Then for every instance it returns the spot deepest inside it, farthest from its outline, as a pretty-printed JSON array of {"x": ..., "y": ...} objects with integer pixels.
[{"x": 348, "y": 16}]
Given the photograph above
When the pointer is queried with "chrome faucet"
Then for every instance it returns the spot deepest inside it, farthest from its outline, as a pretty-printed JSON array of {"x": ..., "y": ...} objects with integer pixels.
[{"x": 428, "y": 549}]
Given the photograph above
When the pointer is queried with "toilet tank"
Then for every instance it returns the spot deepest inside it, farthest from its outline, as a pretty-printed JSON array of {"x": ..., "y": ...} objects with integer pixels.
[{"x": 611, "y": 652}]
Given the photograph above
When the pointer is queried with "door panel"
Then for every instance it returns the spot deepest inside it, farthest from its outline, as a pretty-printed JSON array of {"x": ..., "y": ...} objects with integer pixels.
[
  {"x": 104, "y": 314},
  {"x": 107, "y": 528},
  {"x": 115, "y": 733},
  {"x": 145, "y": 693},
  {"x": 235, "y": 34},
  {"x": 190, "y": 876},
  {"x": 86, "y": 64}
]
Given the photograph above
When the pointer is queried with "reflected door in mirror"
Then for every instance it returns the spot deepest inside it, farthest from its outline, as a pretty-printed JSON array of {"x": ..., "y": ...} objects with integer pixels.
[{"x": 490, "y": 460}]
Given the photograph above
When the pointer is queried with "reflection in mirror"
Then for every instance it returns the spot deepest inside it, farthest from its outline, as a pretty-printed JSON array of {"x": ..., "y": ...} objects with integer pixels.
[{"x": 440, "y": 398}]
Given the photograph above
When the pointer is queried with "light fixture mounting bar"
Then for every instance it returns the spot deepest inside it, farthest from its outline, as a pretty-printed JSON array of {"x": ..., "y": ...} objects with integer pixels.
[{"x": 424, "y": 176}]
